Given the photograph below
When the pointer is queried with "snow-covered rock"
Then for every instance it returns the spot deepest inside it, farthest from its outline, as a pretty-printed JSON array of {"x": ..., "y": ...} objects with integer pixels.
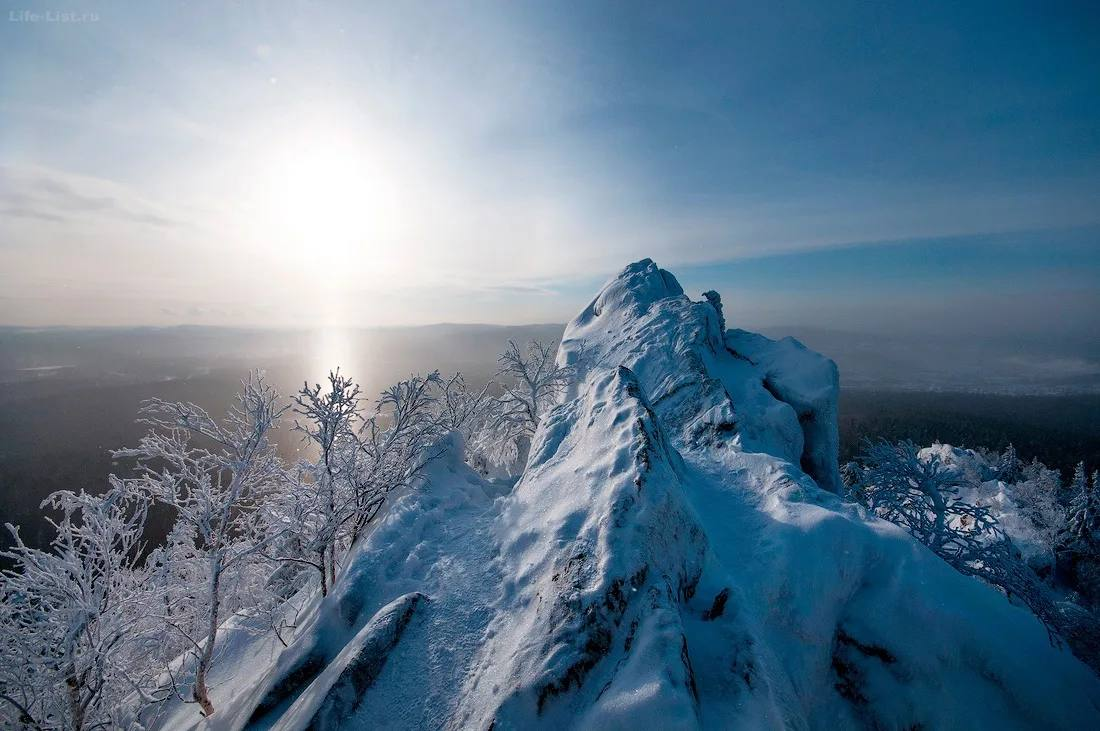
[
  {"x": 733, "y": 389},
  {"x": 341, "y": 687},
  {"x": 599, "y": 551},
  {"x": 674, "y": 556}
]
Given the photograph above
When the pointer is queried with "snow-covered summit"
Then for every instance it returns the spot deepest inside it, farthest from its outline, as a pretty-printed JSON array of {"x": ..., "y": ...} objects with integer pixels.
[
  {"x": 732, "y": 389},
  {"x": 674, "y": 556}
]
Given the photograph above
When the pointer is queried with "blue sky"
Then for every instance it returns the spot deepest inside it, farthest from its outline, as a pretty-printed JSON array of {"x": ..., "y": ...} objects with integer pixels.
[{"x": 846, "y": 165}]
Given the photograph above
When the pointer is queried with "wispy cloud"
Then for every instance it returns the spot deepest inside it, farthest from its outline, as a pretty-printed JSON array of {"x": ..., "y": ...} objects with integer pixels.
[{"x": 55, "y": 196}]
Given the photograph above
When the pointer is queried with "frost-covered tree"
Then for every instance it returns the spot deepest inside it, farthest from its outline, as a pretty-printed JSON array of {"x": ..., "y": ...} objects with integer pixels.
[
  {"x": 921, "y": 495},
  {"x": 1083, "y": 516},
  {"x": 1036, "y": 495},
  {"x": 531, "y": 383},
  {"x": 177, "y": 585},
  {"x": 1009, "y": 465},
  {"x": 394, "y": 445},
  {"x": 322, "y": 507},
  {"x": 70, "y": 617},
  {"x": 476, "y": 414},
  {"x": 1081, "y": 541},
  {"x": 360, "y": 460},
  {"x": 213, "y": 475},
  {"x": 463, "y": 408},
  {"x": 1078, "y": 484},
  {"x": 851, "y": 475}
]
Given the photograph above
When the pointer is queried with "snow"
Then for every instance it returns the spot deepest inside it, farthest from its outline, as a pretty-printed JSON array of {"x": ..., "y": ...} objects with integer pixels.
[
  {"x": 1001, "y": 498},
  {"x": 433, "y": 541},
  {"x": 809, "y": 383},
  {"x": 674, "y": 556},
  {"x": 340, "y": 689},
  {"x": 767, "y": 396}
]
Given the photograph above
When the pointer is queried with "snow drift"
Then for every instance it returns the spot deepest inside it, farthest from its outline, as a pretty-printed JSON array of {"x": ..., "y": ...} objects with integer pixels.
[{"x": 674, "y": 556}]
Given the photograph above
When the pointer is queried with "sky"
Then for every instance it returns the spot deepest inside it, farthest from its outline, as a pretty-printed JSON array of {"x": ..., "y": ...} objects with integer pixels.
[{"x": 851, "y": 165}]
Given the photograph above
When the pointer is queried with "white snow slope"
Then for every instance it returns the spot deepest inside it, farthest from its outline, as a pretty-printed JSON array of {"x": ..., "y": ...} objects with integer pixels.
[{"x": 673, "y": 557}]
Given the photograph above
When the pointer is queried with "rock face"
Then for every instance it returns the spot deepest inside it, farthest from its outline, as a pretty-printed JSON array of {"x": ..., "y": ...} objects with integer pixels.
[{"x": 675, "y": 556}]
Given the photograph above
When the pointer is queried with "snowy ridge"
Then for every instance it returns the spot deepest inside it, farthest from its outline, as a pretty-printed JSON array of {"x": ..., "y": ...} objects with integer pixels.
[
  {"x": 599, "y": 550},
  {"x": 674, "y": 556}
]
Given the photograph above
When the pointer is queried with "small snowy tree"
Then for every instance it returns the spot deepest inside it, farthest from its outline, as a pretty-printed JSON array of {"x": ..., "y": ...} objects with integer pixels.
[
  {"x": 213, "y": 475},
  {"x": 394, "y": 445},
  {"x": 1036, "y": 495},
  {"x": 360, "y": 461},
  {"x": 1078, "y": 484},
  {"x": 70, "y": 616},
  {"x": 462, "y": 408},
  {"x": 922, "y": 496},
  {"x": 177, "y": 584},
  {"x": 1009, "y": 465},
  {"x": 531, "y": 382},
  {"x": 1083, "y": 518},
  {"x": 329, "y": 419},
  {"x": 1083, "y": 540},
  {"x": 478, "y": 416},
  {"x": 851, "y": 475}
]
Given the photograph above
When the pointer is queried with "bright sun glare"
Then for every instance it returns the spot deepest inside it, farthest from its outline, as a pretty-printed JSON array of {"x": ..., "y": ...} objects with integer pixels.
[
  {"x": 326, "y": 202},
  {"x": 317, "y": 190}
]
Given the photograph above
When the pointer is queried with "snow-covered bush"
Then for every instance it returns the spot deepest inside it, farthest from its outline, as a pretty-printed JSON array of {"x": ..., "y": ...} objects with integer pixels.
[
  {"x": 532, "y": 382},
  {"x": 1010, "y": 535},
  {"x": 214, "y": 475},
  {"x": 71, "y": 616},
  {"x": 394, "y": 445},
  {"x": 478, "y": 414},
  {"x": 94, "y": 628},
  {"x": 1035, "y": 498},
  {"x": 1026, "y": 510},
  {"x": 934, "y": 500},
  {"x": 463, "y": 408},
  {"x": 360, "y": 459},
  {"x": 498, "y": 420}
]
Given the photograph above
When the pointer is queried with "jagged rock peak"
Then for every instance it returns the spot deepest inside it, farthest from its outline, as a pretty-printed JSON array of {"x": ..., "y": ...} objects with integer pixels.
[
  {"x": 635, "y": 288},
  {"x": 732, "y": 389}
]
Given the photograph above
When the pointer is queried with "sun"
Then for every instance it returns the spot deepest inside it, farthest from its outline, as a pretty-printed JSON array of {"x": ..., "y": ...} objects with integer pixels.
[
  {"x": 329, "y": 206},
  {"x": 318, "y": 191}
]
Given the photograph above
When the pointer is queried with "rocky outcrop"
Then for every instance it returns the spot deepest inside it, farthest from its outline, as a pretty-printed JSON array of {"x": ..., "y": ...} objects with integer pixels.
[
  {"x": 674, "y": 556},
  {"x": 730, "y": 389}
]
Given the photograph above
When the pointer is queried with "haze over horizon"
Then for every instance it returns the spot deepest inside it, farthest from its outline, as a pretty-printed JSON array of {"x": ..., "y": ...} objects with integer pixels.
[{"x": 880, "y": 168}]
